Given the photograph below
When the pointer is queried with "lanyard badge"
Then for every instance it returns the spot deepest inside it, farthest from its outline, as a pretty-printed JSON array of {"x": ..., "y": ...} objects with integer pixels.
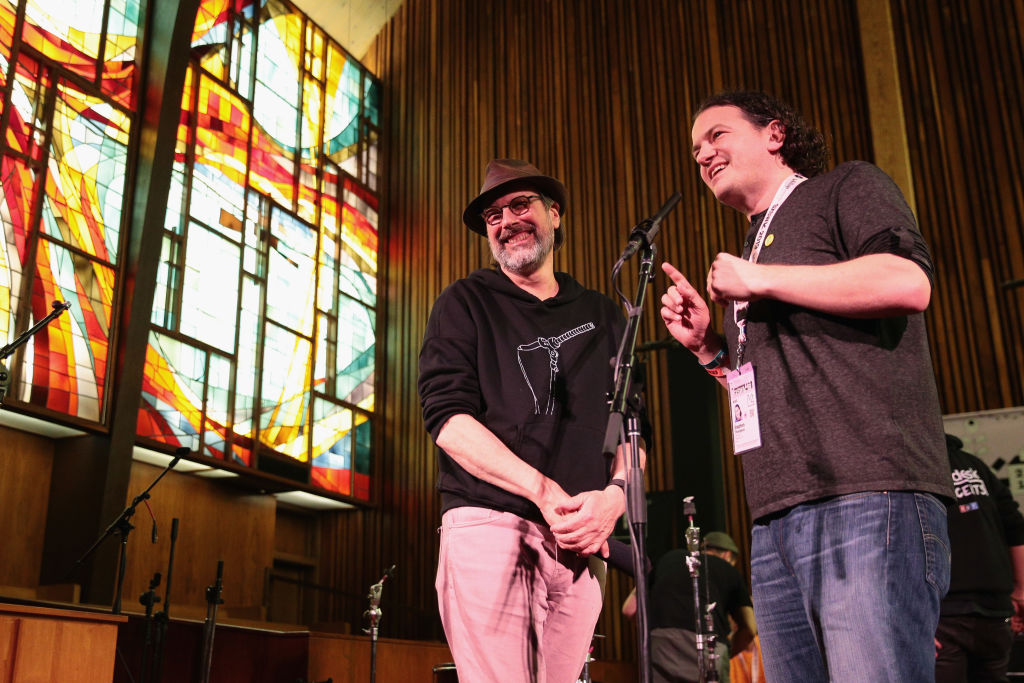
[{"x": 746, "y": 427}]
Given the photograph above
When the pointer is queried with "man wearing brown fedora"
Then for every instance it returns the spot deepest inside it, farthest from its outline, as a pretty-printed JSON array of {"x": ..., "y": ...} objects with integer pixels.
[{"x": 514, "y": 376}]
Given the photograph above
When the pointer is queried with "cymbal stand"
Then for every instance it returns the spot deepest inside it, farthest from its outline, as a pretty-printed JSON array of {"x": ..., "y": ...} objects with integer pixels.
[
  {"x": 707, "y": 657},
  {"x": 374, "y": 613}
]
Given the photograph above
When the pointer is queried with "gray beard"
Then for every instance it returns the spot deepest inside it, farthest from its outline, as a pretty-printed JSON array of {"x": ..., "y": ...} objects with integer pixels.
[{"x": 524, "y": 261}]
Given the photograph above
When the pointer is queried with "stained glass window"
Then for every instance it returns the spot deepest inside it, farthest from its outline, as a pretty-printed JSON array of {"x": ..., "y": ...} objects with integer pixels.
[
  {"x": 67, "y": 117},
  {"x": 262, "y": 350}
]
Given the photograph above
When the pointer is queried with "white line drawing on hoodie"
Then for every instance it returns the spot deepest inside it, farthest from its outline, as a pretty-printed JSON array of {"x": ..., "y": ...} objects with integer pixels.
[{"x": 551, "y": 345}]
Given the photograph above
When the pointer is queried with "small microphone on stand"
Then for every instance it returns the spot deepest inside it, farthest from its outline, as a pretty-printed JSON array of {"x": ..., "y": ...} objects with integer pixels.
[
  {"x": 178, "y": 454},
  {"x": 644, "y": 233}
]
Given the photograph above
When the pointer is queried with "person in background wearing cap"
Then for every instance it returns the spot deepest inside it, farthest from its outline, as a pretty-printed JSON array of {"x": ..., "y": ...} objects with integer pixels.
[
  {"x": 672, "y": 615},
  {"x": 514, "y": 378}
]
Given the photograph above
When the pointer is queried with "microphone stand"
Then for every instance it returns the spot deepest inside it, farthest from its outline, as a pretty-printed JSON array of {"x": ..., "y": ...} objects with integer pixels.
[
  {"x": 213, "y": 599},
  {"x": 123, "y": 526},
  {"x": 148, "y": 599},
  {"x": 624, "y": 406},
  {"x": 5, "y": 376},
  {"x": 707, "y": 656},
  {"x": 374, "y": 613},
  {"x": 154, "y": 672}
]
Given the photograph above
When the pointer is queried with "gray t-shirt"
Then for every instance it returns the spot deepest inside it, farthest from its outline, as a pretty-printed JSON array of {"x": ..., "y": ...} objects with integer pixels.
[{"x": 845, "y": 405}]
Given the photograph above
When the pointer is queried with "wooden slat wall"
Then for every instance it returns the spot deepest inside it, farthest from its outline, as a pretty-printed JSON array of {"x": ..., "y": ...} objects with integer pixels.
[
  {"x": 599, "y": 93},
  {"x": 962, "y": 70}
]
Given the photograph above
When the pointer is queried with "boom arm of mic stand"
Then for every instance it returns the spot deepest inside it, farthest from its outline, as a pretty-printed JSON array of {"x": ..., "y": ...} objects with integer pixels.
[
  {"x": 5, "y": 351},
  {"x": 58, "y": 308},
  {"x": 128, "y": 512},
  {"x": 122, "y": 525}
]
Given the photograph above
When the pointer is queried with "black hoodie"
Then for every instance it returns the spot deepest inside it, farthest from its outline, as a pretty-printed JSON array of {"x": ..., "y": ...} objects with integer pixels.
[{"x": 536, "y": 373}]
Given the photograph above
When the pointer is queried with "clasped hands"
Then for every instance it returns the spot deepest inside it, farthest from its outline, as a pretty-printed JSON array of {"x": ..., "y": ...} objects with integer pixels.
[{"x": 583, "y": 523}]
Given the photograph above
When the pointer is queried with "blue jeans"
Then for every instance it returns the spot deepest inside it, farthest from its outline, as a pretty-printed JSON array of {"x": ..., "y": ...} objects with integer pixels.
[{"x": 848, "y": 589}]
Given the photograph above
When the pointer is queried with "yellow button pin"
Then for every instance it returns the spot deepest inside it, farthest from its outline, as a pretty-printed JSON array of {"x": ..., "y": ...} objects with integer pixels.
[{"x": 768, "y": 240}]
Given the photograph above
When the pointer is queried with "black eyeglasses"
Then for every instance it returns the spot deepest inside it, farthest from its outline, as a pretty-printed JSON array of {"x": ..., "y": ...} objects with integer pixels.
[{"x": 518, "y": 206}]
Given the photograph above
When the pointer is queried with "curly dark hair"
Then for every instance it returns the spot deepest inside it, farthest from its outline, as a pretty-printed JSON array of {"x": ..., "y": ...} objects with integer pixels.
[{"x": 804, "y": 149}]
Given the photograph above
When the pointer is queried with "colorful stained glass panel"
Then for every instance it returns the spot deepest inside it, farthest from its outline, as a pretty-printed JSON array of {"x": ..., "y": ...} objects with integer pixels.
[
  {"x": 68, "y": 33},
  {"x": 262, "y": 208},
  {"x": 363, "y": 456},
  {"x": 172, "y": 392},
  {"x": 64, "y": 366},
  {"x": 87, "y": 169},
  {"x": 217, "y": 423},
  {"x": 16, "y": 183},
  {"x": 284, "y": 408},
  {"x": 358, "y": 272},
  {"x": 26, "y": 127},
  {"x": 221, "y": 157},
  {"x": 332, "y": 447},
  {"x": 209, "y": 293},
  {"x": 341, "y": 106},
  {"x": 356, "y": 349},
  {"x": 118, "y": 75},
  {"x": 247, "y": 372},
  {"x": 292, "y": 275}
]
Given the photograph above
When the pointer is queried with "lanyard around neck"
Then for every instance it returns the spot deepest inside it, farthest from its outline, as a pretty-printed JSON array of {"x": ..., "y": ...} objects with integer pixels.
[{"x": 739, "y": 309}]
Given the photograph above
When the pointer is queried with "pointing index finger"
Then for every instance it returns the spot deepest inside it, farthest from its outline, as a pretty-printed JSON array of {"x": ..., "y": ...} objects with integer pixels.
[
  {"x": 678, "y": 279},
  {"x": 674, "y": 274}
]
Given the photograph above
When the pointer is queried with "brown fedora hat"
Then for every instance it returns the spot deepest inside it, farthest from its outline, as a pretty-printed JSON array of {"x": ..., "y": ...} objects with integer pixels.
[{"x": 505, "y": 175}]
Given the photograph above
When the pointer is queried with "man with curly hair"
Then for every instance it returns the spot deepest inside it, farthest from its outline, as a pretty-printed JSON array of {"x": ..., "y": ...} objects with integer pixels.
[{"x": 840, "y": 433}]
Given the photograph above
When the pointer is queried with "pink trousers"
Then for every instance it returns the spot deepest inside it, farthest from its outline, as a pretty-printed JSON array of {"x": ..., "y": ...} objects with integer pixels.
[{"x": 515, "y": 607}]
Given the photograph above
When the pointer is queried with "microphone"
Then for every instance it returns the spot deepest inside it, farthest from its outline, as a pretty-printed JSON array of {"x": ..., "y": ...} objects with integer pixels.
[
  {"x": 644, "y": 233},
  {"x": 178, "y": 453}
]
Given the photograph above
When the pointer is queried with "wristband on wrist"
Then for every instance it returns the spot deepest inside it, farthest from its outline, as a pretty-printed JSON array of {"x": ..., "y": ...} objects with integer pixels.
[
  {"x": 717, "y": 360},
  {"x": 718, "y": 365},
  {"x": 718, "y": 372},
  {"x": 621, "y": 483}
]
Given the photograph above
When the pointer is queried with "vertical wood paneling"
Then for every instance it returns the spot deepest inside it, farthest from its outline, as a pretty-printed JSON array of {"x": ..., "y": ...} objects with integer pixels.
[
  {"x": 26, "y": 462},
  {"x": 217, "y": 524},
  {"x": 599, "y": 93},
  {"x": 962, "y": 70}
]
